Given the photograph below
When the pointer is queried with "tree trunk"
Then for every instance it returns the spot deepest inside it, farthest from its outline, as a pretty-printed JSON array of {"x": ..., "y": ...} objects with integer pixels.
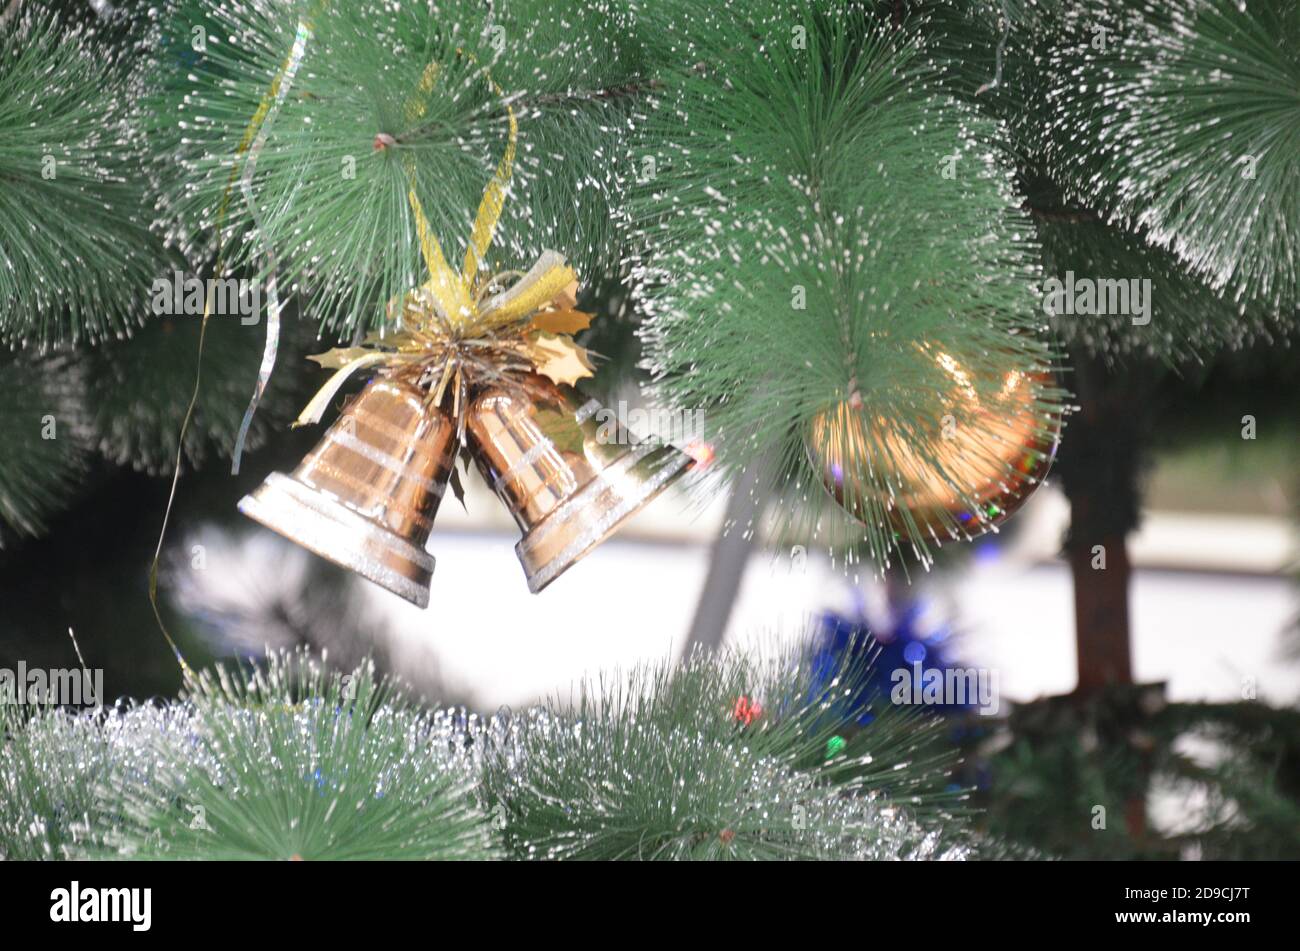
[
  {"x": 727, "y": 560},
  {"x": 1100, "y": 467},
  {"x": 1101, "y": 637}
]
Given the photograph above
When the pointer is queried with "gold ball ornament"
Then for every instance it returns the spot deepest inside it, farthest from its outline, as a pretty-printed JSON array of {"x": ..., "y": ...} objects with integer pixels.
[{"x": 958, "y": 479}]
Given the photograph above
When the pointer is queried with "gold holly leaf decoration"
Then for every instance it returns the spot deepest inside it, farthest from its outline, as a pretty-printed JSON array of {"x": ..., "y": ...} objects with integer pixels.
[
  {"x": 558, "y": 358},
  {"x": 567, "y": 299},
  {"x": 564, "y": 320}
]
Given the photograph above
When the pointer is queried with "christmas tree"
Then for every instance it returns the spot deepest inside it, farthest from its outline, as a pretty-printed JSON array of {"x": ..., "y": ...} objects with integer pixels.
[{"x": 895, "y": 255}]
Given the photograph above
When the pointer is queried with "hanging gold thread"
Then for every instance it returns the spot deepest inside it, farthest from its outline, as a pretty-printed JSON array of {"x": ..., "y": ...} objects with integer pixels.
[{"x": 263, "y": 109}]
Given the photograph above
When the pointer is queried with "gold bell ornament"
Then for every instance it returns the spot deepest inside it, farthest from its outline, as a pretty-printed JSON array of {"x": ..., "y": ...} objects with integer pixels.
[
  {"x": 568, "y": 477},
  {"x": 471, "y": 358},
  {"x": 366, "y": 496}
]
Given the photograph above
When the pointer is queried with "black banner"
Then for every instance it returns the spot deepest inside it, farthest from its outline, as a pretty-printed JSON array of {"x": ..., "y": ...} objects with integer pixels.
[{"x": 979, "y": 901}]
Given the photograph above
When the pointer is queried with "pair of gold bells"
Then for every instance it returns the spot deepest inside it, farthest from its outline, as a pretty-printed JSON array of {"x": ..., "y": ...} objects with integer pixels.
[{"x": 366, "y": 496}]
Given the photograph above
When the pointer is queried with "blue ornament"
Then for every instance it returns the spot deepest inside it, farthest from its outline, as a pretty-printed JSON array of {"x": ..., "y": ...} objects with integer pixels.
[{"x": 866, "y": 661}]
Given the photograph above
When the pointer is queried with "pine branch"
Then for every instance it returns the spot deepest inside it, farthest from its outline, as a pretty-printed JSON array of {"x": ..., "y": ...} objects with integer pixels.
[
  {"x": 46, "y": 437},
  {"x": 334, "y": 207},
  {"x": 623, "y": 91},
  {"x": 725, "y": 757},
  {"x": 294, "y": 763},
  {"x": 1188, "y": 131},
  {"x": 802, "y": 247},
  {"x": 76, "y": 257},
  {"x": 1073, "y": 216},
  {"x": 722, "y": 757},
  {"x": 63, "y": 775},
  {"x": 1100, "y": 99}
]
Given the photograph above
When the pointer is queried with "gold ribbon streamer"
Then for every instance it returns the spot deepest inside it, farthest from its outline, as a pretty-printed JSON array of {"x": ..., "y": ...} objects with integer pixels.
[
  {"x": 547, "y": 279},
  {"x": 321, "y": 401},
  {"x": 454, "y": 293},
  {"x": 273, "y": 307}
]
